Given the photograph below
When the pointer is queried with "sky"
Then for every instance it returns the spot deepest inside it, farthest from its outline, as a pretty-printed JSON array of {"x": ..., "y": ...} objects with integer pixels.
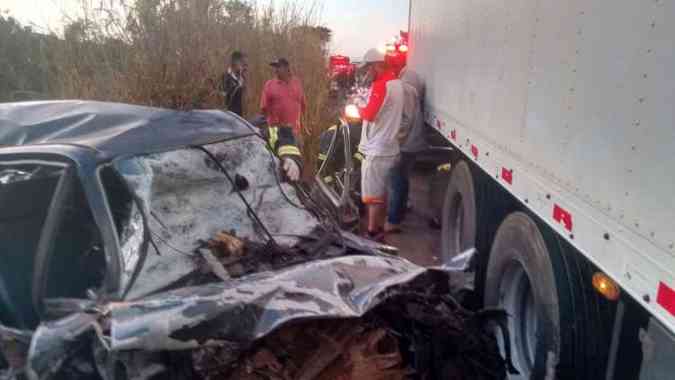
[
  {"x": 42, "y": 14},
  {"x": 357, "y": 25}
]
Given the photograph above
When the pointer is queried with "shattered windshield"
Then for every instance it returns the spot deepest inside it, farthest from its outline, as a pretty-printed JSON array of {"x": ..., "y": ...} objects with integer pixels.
[{"x": 187, "y": 200}]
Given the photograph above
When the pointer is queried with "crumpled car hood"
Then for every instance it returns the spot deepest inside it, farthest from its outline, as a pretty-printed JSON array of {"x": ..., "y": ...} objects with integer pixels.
[
  {"x": 243, "y": 310},
  {"x": 235, "y": 313}
]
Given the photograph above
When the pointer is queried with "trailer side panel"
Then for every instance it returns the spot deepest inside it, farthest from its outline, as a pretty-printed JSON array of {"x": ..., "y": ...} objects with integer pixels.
[{"x": 569, "y": 106}]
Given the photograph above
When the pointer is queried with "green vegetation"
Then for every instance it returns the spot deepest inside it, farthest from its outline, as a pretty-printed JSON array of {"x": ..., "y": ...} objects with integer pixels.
[{"x": 24, "y": 61}]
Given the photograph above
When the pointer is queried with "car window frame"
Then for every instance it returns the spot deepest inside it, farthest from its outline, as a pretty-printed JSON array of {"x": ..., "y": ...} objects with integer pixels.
[
  {"x": 50, "y": 227},
  {"x": 123, "y": 289}
]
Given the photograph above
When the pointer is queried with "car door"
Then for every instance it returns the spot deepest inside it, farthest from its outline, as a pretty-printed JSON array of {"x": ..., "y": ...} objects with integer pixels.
[{"x": 50, "y": 246}]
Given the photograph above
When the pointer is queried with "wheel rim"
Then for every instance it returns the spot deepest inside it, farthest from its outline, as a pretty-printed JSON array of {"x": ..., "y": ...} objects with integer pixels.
[
  {"x": 517, "y": 299},
  {"x": 456, "y": 227}
]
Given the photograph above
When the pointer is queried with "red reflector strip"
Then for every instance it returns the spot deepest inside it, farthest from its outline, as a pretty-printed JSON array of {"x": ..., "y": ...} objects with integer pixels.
[
  {"x": 474, "y": 151},
  {"x": 453, "y": 135},
  {"x": 507, "y": 176},
  {"x": 561, "y": 215},
  {"x": 666, "y": 298}
]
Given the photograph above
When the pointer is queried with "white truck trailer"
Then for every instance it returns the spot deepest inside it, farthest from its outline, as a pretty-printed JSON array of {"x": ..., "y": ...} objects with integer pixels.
[{"x": 562, "y": 114}]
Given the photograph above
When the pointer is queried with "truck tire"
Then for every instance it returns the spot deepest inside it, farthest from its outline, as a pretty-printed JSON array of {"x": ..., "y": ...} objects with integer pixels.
[
  {"x": 520, "y": 279},
  {"x": 459, "y": 221},
  {"x": 559, "y": 327}
]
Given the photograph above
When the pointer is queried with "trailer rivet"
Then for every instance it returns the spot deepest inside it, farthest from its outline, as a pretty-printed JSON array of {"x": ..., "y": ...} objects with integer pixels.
[
  {"x": 644, "y": 76},
  {"x": 548, "y": 196},
  {"x": 646, "y": 298},
  {"x": 606, "y": 236},
  {"x": 628, "y": 275},
  {"x": 572, "y": 236},
  {"x": 528, "y": 201}
]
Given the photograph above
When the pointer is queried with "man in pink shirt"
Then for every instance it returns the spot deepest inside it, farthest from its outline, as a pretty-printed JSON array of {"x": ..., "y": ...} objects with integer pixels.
[{"x": 283, "y": 100}]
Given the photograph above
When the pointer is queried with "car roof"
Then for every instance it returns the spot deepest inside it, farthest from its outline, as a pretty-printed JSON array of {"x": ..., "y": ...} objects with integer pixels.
[{"x": 114, "y": 129}]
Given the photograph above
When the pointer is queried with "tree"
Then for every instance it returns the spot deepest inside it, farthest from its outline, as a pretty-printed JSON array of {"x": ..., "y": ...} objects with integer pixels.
[{"x": 23, "y": 68}]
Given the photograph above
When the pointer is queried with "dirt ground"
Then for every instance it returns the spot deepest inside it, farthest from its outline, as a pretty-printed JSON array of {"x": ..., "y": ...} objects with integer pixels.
[{"x": 419, "y": 242}]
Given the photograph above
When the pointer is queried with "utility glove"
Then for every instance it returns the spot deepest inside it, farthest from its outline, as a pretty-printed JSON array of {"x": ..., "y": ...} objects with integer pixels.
[
  {"x": 282, "y": 142},
  {"x": 291, "y": 168}
]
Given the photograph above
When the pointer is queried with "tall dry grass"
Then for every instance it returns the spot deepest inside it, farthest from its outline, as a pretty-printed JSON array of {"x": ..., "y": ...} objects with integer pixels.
[{"x": 171, "y": 53}]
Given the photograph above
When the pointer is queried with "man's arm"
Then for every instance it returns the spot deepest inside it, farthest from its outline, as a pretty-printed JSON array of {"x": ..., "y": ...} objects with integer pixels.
[
  {"x": 410, "y": 108},
  {"x": 283, "y": 144},
  {"x": 224, "y": 87},
  {"x": 303, "y": 104},
  {"x": 264, "y": 99},
  {"x": 375, "y": 101},
  {"x": 228, "y": 89}
]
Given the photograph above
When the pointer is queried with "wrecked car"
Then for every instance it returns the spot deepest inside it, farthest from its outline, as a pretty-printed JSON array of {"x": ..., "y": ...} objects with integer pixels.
[{"x": 143, "y": 243}]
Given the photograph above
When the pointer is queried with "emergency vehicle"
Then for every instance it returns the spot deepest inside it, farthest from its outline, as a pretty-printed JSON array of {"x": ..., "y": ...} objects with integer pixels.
[{"x": 341, "y": 71}]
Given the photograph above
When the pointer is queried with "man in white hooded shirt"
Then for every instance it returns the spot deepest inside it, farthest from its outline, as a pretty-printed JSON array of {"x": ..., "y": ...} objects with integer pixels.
[{"x": 379, "y": 138}]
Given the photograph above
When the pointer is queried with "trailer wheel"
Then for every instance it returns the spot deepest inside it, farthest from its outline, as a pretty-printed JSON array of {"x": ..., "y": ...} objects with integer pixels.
[
  {"x": 521, "y": 278},
  {"x": 459, "y": 213}
]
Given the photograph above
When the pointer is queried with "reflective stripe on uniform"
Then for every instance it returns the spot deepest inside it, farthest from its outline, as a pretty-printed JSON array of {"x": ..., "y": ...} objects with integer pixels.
[
  {"x": 288, "y": 150},
  {"x": 443, "y": 168},
  {"x": 322, "y": 157},
  {"x": 359, "y": 156},
  {"x": 334, "y": 127},
  {"x": 328, "y": 179},
  {"x": 274, "y": 136}
]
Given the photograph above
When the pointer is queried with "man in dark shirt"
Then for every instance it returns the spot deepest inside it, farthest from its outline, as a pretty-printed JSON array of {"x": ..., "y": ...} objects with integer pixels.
[{"x": 233, "y": 83}]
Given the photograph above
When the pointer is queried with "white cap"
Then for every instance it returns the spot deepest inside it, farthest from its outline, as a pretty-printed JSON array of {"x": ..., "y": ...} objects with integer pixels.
[{"x": 372, "y": 56}]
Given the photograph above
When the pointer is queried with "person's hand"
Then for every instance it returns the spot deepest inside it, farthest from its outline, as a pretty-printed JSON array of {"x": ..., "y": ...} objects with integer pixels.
[{"x": 291, "y": 168}]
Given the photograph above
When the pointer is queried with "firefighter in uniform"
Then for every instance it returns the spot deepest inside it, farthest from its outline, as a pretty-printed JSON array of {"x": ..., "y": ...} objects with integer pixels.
[{"x": 282, "y": 143}]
